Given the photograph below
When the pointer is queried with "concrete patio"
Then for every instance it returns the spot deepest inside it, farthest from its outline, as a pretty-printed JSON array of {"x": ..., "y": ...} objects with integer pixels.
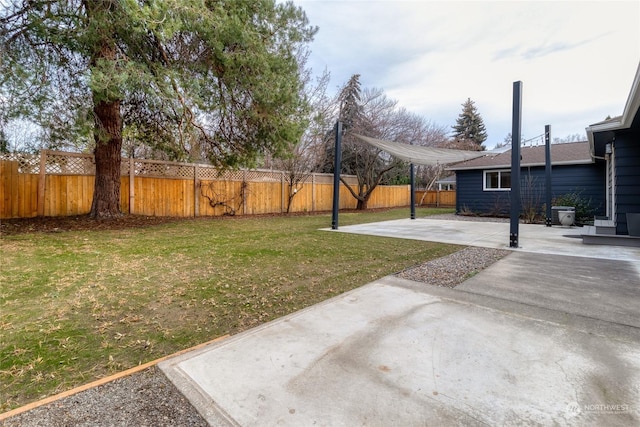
[
  {"x": 538, "y": 338},
  {"x": 533, "y": 238}
]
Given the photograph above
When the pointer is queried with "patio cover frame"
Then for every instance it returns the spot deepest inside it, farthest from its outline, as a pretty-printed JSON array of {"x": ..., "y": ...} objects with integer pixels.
[{"x": 414, "y": 154}]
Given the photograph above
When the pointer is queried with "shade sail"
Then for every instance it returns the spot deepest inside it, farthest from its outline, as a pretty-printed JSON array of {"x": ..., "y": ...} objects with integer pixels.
[{"x": 422, "y": 155}]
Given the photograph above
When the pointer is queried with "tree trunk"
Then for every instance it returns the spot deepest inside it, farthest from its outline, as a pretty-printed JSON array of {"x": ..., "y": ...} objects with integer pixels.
[
  {"x": 108, "y": 137},
  {"x": 363, "y": 199},
  {"x": 107, "y": 133}
]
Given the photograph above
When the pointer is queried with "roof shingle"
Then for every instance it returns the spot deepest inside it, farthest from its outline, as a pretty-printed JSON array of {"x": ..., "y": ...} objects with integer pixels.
[{"x": 571, "y": 153}]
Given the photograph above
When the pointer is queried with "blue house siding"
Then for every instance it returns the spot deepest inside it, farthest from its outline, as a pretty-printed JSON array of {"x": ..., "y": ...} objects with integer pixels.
[
  {"x": 471, "y": 198},
  {"x": 583, "y": 179},
  {"x": 627, "y": 146},
  {"x": 586, "y": 180}
]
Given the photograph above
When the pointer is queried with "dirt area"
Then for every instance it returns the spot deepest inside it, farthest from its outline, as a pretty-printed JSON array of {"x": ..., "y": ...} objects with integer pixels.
[
  {"x": 78, "y": 223},
  {"x": 83, "y": 222}
]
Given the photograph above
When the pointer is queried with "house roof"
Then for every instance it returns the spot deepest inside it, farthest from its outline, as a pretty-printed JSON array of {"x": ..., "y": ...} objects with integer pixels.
[
  {"x": 572, "y": 153},
  {"x": 449, "y": 179}
]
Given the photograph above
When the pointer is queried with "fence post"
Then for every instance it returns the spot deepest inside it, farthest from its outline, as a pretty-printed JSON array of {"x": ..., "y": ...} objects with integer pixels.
[
  {"x": 132, "y": 188},
  {"x": 313, "y": 192},
  {"x": 283, "y": 191},
  {"x": 42, "y": 176},
  {"x": 244, "y": 192},
  {"x": 196, "y": 193}
]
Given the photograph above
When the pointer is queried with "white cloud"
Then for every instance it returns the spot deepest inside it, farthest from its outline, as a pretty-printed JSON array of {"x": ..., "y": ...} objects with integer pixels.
[{"x": 576, "y": 59}]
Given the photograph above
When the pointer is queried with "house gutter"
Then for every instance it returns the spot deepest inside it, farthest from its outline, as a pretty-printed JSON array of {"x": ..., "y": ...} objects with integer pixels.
[{"x": 600, "y": 128}]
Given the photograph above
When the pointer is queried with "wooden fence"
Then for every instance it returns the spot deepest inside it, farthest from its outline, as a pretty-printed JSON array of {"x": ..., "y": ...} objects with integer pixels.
[
  {"x": 436, "y": 198},
  {"x": 61, "y": 184}
]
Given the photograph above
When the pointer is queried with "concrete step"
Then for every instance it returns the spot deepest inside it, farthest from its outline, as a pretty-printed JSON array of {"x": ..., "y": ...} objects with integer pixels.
[
  {"x": 604, "y": 226},
  {"x": 609, "y": 231},
  {"x": 609, "y": 240},
  {"x": 604, "y": 222}
]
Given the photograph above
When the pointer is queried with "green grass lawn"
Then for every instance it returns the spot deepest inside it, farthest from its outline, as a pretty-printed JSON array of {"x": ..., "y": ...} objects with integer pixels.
[{"x": 76, "y": 306}]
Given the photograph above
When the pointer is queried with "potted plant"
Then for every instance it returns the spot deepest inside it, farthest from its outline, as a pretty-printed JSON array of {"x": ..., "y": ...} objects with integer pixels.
[{"x": 633, "y": 224}]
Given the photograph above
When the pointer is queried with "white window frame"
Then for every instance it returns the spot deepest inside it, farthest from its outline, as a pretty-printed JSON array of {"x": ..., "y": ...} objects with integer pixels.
[{"x": 484, "y": 180}]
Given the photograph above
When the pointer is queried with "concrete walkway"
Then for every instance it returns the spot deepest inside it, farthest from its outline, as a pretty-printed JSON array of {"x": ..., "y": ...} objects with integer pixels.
[{"x": 538, "y": 338}]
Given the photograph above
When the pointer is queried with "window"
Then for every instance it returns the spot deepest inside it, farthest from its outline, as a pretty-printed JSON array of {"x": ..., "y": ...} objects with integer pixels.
[{"x": 497, "y": 180}]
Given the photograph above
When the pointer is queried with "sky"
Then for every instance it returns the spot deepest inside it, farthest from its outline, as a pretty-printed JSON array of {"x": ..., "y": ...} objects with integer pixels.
[{"x": 576, "y": 59}]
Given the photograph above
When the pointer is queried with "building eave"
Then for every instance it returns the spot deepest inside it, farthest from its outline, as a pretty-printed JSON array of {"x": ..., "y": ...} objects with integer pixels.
[{"x": 624, "y": 121}]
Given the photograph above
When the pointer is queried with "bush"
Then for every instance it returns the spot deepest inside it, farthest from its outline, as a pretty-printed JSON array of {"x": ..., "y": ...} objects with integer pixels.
[
  {"x": 530, "y": 197},
  {"x": 583, "y": 205}
]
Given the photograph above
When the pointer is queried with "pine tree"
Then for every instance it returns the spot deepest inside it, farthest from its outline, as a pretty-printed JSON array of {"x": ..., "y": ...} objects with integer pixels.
[
  {"x": 4, "y": 144},
  {"x": 218, "y": 76},
  {"x": 470, "y": 126},
  {"x": 365, "y": 112},
  {"x": 349, "y": 98}
]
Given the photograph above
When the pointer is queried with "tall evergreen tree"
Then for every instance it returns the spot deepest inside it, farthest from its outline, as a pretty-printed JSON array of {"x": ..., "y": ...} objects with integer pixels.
[
  {"x": 217, "y": 76},
  {"x": 4, "y": 144},
  {"x": 370, "y": 112},
  {"x": 469, "y": 126},
  {"x": 349, "y": 98}
]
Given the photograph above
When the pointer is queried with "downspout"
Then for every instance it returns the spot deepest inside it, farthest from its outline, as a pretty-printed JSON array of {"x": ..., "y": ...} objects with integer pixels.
[
  {"x": 613, "y": 183},
  {"x": 607, "y": 201}
]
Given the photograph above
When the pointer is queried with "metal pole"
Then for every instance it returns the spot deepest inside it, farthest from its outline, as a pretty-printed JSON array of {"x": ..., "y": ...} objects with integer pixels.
[
  {"x": 413, "y": 192},
  {"x": 336, "y": 176},
  {"x": 547, "y": 169},
  {"x": 515, "y": 164}
]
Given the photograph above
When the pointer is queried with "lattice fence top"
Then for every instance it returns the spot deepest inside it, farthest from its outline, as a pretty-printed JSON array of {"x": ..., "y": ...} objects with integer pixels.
[
  {"x": 64, "y": 163},
  {"x": 27, "y": 163},
  {"x": 327, "y": 178},
  {"x": 263, "y": 176},
  {"x": 229, "y": 175},
  {"x": 208, "y": 173},
  {"x": 161, "y": 169},
  {"x": 56, "y": 163},
  {"x": 324, "y": 178},
  {"x": 69, "y": 164}
]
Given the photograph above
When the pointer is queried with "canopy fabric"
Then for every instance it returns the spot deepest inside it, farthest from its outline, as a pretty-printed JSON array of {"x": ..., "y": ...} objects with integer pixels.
[{"x": 420, "y": 155}]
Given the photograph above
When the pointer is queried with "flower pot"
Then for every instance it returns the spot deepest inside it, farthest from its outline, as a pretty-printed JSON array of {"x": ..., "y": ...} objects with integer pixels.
[
  {"x": 633, "y": 224},
  {"x": 567, "y": 218},
  {"x": 555, "y": 219}
]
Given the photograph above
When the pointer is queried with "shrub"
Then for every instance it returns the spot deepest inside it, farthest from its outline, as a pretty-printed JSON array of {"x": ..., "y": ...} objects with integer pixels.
[
  {"x": 466, "y": 211},
  {"x": 583, "y": 205},
  {"x": 530, "y": 197}
]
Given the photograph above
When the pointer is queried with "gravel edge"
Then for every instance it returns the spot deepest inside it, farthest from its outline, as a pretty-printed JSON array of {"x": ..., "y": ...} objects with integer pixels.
[
  {"x": 451, "y": 270},
  {"x": 148, "y": 398}
]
